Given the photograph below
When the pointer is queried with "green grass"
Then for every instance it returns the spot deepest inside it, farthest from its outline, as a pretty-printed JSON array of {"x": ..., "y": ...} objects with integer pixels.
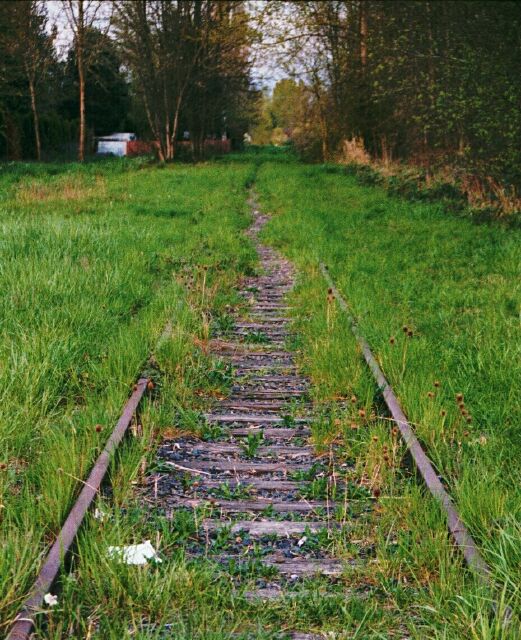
[
  {"x": 96, "y": 259},
  {"x": 456, "y": 286},
  {"x": 93, "y": 261}
]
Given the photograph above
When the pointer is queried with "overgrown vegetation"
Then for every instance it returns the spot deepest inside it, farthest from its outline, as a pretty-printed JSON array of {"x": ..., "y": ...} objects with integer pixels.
[
  {"x": 88, "y": 284},
  {"x": 94, "y": 278},
  {"x": 434, "y": 84},
  {"x": 438, "y": 299},
  {"x": 155, "y": 68}
]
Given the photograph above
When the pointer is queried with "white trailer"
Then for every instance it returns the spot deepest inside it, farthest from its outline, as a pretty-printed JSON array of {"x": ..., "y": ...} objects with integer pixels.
[{"x": 115, "y": 144}]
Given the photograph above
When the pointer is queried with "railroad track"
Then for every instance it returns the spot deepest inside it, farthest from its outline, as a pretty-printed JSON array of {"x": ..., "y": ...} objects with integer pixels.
[{"x": 255, "y": 478}]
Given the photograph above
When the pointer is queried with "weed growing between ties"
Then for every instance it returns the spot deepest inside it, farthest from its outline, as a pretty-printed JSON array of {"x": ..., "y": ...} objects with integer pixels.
[{"x": 438, "y": 299}]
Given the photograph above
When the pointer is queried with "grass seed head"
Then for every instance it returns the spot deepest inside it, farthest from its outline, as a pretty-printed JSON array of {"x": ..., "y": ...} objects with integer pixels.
[
  {"x": 459, "y": 397},
  {"x": 375, "y": 438},
  {"x": 98, "y": 428},
  {"x": 392, "y": 340},
  {"x": 150, "y": 385},
  {"x": 436, "y": 383},
  {"x": 430, "y": 394},
  {"x": 410, "y": 333},
  {"x": 354, "y": 399},
  {"x": 469, "y": 419},
  {"x": 3, "y": 466},
  {"x": 443, "y": 413},
  {"x": 354, "y": 426},
  {"x": 405, "y": 329},
  {"x": 361, "y": 413}
]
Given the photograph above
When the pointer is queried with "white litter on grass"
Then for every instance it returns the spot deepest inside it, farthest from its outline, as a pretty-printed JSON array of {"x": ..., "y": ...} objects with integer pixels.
[
  {"x": 50, "y": 599},
  {"x": 99, "y": 514},
  {"x": 302, "y": 541},
  {"x": 135, "y": 553}
]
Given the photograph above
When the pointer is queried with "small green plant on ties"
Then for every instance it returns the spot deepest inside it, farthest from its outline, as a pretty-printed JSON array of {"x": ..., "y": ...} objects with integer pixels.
[{"x": 251, "y": 445}]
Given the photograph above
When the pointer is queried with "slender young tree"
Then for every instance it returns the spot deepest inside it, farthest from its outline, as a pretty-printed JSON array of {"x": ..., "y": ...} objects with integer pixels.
[
  {"x": 82, "y": 15},
  {"x": 160, "y": 45},
  {"x": 37, "y": 52}
]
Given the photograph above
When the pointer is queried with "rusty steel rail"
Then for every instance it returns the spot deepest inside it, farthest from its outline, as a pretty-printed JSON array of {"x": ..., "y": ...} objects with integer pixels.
[
  {"x": 457, "y": 528},
  {"x": 24, "y": 621}
]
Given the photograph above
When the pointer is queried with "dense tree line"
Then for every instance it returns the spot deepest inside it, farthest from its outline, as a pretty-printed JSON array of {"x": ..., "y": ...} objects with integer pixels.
[
  {"x": 39, "y": 93},
  {"x": 190, "y": 66},
  {"x": 418, "y": 80},
  {"x": 410, "y": 79},
  {"x": 157, "y": 67}
]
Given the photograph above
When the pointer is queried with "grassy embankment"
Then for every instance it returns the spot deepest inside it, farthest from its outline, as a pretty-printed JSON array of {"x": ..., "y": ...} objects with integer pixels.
[
  {"x": 92, "y": 262},
  {"x": 454, "y": 286}
]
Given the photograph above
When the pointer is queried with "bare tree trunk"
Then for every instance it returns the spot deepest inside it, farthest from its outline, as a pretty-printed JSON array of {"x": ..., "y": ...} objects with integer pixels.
[
  {"x": 81, "y": 147},
  {"x": 81, "y": 75},
  {"x": 175, "y": 124},
  {"x": 153, "y": 128},
  {"x": 322, "y": 114},
  {"x": 35, "y": 119},
  {"x": 363, "y": 34},
  {"x": 323, "y": 130},
  {"x": 168, "y": 141}
]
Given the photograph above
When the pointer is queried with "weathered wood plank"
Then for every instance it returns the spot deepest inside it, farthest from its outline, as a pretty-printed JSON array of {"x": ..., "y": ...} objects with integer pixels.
[
  {"x": 249, "y": 419},
  {"x": 277, "y": 432},
  {"x": 272, "y": 323},
  {"x": 255, "y": 405},
  {"x": 300, "y": 568},
  {"x": 258, "y": 528},
  {"x": 281, "y": 379},
  {"x": 245, "y": 467},
  {"x": 271, "y": 394},
  {"x": 261, "y": 503},
  {"x": 253, "y": 483},
  {"x": 224, "y": 448}
]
